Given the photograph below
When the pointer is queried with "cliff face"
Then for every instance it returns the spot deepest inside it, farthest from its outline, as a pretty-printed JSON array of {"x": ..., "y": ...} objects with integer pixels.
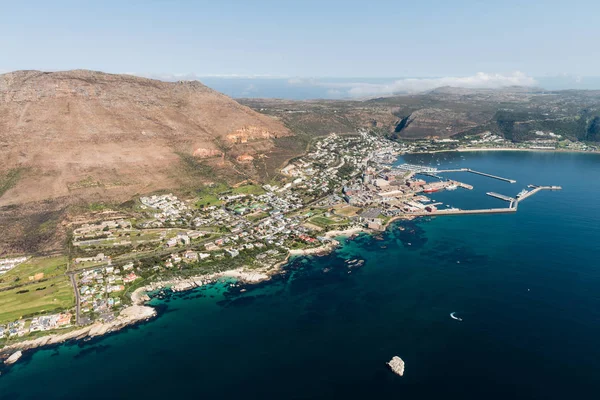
[
  {"x": 433, "y": 122},
  {"x": 88, "y": 133}
]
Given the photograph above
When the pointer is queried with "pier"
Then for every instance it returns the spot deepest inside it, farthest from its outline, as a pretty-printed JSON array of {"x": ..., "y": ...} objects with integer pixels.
[
  {"x": 512, "y": 208},
  {"x": 491, "y": 176},
  {"x": 501, "y": 196},
  {"x": 477, "y": 173},
  {"x": 466, "y": 212},
  {"x": 432, "y": 171},
  {"x": 453, "y": 170},
  {"x": 535, "y": 189}
]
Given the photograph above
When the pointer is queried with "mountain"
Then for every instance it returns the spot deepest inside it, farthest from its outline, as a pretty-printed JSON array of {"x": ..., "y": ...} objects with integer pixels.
[
  {"x": 516, "y": 113},
  {"x": 86, "y": 134}
]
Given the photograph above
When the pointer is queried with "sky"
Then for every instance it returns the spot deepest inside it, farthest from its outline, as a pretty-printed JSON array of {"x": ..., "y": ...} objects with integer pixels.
[{"x": 460, "y": 41}]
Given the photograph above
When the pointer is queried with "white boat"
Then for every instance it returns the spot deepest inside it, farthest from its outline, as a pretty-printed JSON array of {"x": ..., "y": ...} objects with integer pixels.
[
  {"x": 455, "y": 317},
  {"x": 451, "y": 187}
]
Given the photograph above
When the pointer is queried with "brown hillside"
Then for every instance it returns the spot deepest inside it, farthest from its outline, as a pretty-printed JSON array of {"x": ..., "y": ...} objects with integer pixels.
[{"x": 85, "y": 134}]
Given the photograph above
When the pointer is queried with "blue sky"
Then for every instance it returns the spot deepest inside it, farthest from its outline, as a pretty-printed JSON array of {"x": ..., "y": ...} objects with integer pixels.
[{"x": 303, "y": 38}]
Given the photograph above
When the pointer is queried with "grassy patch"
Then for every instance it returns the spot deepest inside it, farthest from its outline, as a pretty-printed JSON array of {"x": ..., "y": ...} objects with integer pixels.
[
  {"x": 209, "y": 195},
  {"x": 248, "y": 189},
  {"x": 322, "y": 221},
  {"x": 195, "y": 167},
  {"x": 51, "y": 267},
  {"x": 208, "y": 200},
  {"x": 10, "y": 179},
  {"x": 347, "y": 211},
  {"x": 257, "y": 216},
  {"x": 88, "y": 182},
  {"x": 45, "y": 297}
]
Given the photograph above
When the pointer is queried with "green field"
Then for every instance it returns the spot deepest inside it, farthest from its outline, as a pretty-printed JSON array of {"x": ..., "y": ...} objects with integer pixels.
[
  {"x": 209, "y": 195},
  {"x": 248, "y": 189},
  {"x": 323, "y": 221},
  {"x": 50, "y": 266},
  {"x": 208, "y": 200},
  {"x": 39, "y": 298}
]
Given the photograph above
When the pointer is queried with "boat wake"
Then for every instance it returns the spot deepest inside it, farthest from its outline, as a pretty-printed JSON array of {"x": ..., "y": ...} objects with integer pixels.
[{"x": 455, "y": 317}]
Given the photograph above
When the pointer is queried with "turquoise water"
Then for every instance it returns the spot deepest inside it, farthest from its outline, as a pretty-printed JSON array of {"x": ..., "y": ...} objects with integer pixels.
[{"x": 526, "y": 285}]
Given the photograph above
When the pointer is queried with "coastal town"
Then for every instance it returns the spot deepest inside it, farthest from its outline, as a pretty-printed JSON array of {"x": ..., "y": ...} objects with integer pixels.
[{"x": 343, "y": 184}]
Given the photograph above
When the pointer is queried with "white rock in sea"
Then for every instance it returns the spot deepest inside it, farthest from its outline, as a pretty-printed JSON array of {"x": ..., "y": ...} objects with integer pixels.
[
  {"x": 397, "y": 365},
  {"x": 14, "y": 357}
]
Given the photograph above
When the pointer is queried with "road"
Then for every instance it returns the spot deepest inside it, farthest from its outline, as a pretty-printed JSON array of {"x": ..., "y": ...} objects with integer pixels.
[{"x": 77, "y": 301}]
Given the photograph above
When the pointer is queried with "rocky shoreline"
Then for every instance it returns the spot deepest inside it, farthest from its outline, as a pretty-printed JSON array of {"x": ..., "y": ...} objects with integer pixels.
[
  {"x": 139, "y": 312},
  {"x": 128, "y": 316}
]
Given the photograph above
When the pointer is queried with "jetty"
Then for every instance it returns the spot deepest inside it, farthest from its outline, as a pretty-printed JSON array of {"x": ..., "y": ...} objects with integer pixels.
[
  {"x": 491, "y": 176},
  {"x": 501, "y": 196},
  {"x": 433, "y": 172},
  {"x": 476, "y": 173},
  {"x": 397, "y": 365},
  {"x": 514, "y": 203},
  {"x": 457, "y": 211},
  {"x": 523, "y": 195}
]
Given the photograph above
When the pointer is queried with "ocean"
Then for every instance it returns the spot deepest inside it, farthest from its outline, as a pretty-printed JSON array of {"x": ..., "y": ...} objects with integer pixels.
[{"x": 526, "y": 286}]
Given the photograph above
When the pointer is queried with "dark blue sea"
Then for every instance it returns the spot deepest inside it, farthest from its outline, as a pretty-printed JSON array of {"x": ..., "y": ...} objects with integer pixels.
[{"x": 526, "y": 286}]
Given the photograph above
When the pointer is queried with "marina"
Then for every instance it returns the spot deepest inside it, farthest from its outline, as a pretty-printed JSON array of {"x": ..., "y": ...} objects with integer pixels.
[{"x": 451, "y": 185}]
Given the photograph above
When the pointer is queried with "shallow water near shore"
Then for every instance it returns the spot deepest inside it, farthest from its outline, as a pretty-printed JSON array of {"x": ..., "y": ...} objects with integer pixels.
[{"x": 525, "y": 285}]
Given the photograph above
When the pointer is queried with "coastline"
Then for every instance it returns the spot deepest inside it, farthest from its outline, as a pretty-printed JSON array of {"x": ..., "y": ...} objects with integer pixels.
[
  {"x": 128, "y": 316},
  {"x": 140, "y": 312}
]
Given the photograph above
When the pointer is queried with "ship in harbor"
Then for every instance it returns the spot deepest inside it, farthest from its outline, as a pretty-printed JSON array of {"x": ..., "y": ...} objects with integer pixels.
[{"x": 522, "y": 192}]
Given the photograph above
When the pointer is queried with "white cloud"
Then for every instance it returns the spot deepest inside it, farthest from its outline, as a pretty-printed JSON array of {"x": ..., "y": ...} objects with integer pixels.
[
  {"x": 480, "y": 80},
  {"x": 195, "y": 77}
]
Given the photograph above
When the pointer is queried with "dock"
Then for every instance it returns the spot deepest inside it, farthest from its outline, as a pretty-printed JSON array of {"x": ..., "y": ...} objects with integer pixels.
[
  {"x": 474, "y": 172},
  {"x": 536, "y": 189},
  {"x": 512, "y": 208},
  {"x": 465, "y": 212},
  {"x": 501, "y": 196},
  {"x": 491, "y": 176},
  {"x": 453, "y": 170}
]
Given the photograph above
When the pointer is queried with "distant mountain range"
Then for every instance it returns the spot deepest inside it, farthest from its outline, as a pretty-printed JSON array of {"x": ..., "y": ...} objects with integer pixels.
[{"x": 514, "y": 112}]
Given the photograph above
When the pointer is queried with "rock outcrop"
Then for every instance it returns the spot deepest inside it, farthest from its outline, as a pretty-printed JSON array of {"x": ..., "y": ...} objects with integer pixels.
[
  {"x": 397, "y": 365},
  {"x": 250, "y": 133},
  {"x": 14, "y": 357}
]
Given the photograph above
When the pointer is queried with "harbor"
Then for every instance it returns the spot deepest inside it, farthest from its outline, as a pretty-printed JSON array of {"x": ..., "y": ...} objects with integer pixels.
[{"x": 446, "y": 184}]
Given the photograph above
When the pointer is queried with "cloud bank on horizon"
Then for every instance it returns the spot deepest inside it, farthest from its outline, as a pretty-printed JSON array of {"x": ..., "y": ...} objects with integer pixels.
[
  {"x": 480, "y": 80},
  {"x": 364, "y": 88}
]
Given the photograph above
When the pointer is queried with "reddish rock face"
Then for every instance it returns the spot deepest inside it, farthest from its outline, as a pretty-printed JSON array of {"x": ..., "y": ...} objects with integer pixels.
[{"x": 207, "y": 153}]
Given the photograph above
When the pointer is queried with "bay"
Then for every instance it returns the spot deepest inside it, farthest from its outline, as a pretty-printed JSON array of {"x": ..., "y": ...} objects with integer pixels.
[{"x": 526, "y": 286}]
